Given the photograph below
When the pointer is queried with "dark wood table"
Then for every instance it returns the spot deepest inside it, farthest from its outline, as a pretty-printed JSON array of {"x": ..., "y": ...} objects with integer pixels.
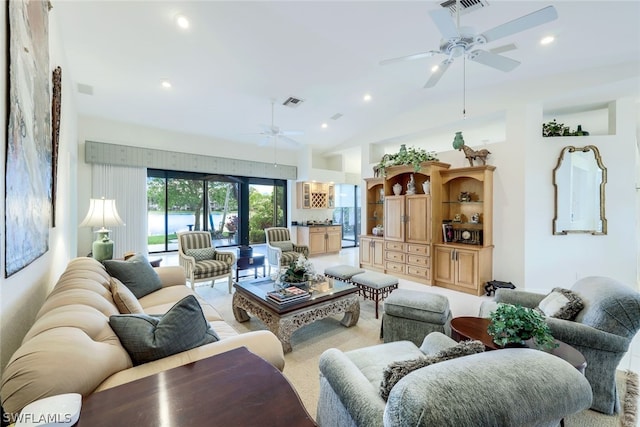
[
  {"x": 475, "y": 328},
  {"x": 249, "y": 262},
  {"x": 236, "y": 388},
  {"x": 250, "y": 297}
]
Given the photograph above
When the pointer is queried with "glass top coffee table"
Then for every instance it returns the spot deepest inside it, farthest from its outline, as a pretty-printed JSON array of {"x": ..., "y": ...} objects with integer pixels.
[
  {"x": 250, "y": 298},
  {"x": 475, "y": 328}
]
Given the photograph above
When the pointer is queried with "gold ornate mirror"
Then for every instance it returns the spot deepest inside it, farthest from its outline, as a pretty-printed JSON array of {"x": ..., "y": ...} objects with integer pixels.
[{"x": 578, "y": 181}]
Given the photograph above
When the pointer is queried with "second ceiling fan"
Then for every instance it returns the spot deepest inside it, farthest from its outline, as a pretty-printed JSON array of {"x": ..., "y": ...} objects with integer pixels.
[
  {"x": 274, "y": 132},
  {"x": 458, "y": 41}
]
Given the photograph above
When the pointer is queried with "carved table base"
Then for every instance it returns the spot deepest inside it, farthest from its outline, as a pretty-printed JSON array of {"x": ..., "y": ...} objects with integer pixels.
[{"x": 284, "y": 325}]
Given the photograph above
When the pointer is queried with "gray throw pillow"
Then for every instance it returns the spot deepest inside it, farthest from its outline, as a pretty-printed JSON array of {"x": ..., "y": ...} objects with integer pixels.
[
  {"x": 136, "y": 274},
  {"x": 561, "y": 304},
  {"x": 201, "y": 254},
  {"x": 285, "y": 245},
  {"x": 147, "y": 338},
  {"x": 397, "y": 370}
]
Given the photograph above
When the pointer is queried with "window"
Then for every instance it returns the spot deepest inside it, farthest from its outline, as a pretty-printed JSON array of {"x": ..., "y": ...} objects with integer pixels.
[{"x": 235, "y": 210}]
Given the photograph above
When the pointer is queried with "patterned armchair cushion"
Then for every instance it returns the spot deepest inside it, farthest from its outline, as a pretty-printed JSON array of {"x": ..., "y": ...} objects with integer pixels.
[
  {"x": 201, "y": 254},
  {"x": 210, "y": 268},
  {"x": 286, "y": 246}
]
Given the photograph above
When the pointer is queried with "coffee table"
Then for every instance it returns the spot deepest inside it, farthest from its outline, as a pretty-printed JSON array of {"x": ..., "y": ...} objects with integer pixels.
[
  {"x": 475, "y": 328},
  {"x": 235, "y": 388},
  {"x": 250, "y": 297}
]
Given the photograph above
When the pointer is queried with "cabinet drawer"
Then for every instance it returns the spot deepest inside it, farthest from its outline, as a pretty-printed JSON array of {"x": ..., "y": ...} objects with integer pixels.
[
  {"x": 423, "y": 261},
  {"x": 317, "y": 229},
  {"x": 421, "y": 272},
  {"x": 394, "y": 256},
  {"x": 394, "y": 246},
  {"x": 333, "y": 229},
  {"x": 418, "y": 249},
  {"x": 394, "y": 267}
]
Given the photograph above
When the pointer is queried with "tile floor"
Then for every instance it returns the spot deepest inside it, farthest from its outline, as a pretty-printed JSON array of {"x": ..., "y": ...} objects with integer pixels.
[{"x": 461, "y": 304}]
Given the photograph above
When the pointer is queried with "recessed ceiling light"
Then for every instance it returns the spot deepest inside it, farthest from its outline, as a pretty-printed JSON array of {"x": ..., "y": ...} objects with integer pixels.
[
  {"x": 182, "y": 21},
  {"x": 435, "y": 68},
  {"x": 367, "y": 97},
  {"x": 547, "y": 40},
  {"x": 324, "y": 126},
  {"x": 165, "y": 84}
]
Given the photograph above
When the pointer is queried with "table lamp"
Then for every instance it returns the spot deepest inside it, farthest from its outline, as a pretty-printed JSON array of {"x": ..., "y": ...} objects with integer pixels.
[{"x": 102, "y": 213}]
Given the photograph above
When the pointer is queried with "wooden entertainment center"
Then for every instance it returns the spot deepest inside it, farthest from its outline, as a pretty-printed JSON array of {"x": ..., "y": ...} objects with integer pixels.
[{"x": 443, "y": 238}]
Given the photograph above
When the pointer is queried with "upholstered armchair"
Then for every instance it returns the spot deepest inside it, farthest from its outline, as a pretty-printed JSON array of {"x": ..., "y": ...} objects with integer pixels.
[
  {"x": 201, "y": 261},
  {"x": 510, "y": 387},
  {"x": 602, "y": 331},
  {"x": 280, "y": 249}
]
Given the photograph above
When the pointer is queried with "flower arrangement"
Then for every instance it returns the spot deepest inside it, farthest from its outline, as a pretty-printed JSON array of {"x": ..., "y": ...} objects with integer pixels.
[
  {"x": 232, "y": 223},
  {"x": 514, "y": 324},
  {"x": 299, "y": 271},
  {"x": 406, "y": 156}
]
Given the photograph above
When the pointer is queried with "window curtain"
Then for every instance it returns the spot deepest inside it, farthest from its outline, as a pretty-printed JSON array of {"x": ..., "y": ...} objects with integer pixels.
[{"x": 128, "y": 186}]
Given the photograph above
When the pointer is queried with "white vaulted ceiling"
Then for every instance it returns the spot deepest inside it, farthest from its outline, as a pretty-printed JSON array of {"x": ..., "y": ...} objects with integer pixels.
[{"x": 238, "y": 55}]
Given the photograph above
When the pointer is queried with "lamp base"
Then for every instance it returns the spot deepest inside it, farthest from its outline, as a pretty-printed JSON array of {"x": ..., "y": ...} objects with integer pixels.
[{"x": 103, "y": 246}]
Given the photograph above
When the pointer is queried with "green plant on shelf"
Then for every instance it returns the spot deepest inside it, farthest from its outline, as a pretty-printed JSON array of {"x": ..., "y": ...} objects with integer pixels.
[{"x": 406, "y": 156}]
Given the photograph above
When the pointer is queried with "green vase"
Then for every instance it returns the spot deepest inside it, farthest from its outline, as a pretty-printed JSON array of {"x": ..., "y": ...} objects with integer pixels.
[{"x": 458, "y": 141}]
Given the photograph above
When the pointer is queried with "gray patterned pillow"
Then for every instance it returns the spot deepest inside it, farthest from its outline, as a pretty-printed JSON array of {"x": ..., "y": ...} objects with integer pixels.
[
  {"x": 397, "y": 370},
  {"x": 201, "y": 254},
  {"x": 561, "y": 304},
  {"x": 147, "y": 338},
  {"x": 136, "y": 274}
]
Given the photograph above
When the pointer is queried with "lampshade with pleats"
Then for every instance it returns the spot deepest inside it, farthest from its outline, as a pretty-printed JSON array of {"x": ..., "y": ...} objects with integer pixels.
[{"x": 102, "y": 213}]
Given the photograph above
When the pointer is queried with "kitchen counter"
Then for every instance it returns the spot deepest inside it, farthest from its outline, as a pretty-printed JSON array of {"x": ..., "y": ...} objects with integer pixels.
[
  {"x": 316, "y": 225},
  {"x": 320, "y": 238}
]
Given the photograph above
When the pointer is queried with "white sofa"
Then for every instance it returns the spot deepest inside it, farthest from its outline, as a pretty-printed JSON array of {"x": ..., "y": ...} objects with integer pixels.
[{"x": 72, "y": 348}]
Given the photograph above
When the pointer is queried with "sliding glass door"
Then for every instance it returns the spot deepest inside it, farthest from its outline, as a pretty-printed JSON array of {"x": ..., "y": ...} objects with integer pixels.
[{"x": 347, "y": 213}]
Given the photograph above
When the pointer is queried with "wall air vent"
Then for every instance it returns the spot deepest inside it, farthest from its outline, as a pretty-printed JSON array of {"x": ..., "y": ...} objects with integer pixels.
[
  {"x": 466, "y": 6},
  {"x": 336, "y": 116},
  {"x": 292, "y": 102}
]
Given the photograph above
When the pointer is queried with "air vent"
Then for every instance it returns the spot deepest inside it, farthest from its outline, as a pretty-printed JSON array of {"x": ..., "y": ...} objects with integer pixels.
[
  {"x": 292, "y": 102},
  {"x": 466, "y": 6},
  {"x": 336, "y": 116}
]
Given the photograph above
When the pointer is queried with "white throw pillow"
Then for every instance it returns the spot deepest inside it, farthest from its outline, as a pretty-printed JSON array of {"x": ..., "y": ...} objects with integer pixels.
[{"x": 561, "y": 304}]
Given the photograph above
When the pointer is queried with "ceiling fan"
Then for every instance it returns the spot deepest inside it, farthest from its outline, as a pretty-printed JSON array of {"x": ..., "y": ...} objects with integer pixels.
[
  {"x": 274, "y": 132},
  {"x": 458, "y": 41}
]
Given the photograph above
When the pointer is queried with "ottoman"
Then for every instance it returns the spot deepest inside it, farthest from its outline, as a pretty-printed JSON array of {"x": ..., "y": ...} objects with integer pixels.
[
  {"x": 412, "y": 315},
  {"x": 342, "y": 272},
  {"x": 375, "y": 286}
]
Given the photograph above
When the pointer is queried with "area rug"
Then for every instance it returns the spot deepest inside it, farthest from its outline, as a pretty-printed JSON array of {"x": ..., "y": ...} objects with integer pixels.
[{"x": 301, "y": 365}]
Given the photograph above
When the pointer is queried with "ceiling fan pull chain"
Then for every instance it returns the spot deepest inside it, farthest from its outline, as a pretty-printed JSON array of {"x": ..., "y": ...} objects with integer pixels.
[{"x": 464, "y": 87}]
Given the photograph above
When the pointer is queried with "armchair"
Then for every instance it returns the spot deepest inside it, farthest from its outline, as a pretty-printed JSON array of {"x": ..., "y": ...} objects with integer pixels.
[
  {"x": 201, "y": 261},
  {"x": 510, "y": 387},
  {"x": 280, "y": 249},
  {"x": 602, "y": 331}
]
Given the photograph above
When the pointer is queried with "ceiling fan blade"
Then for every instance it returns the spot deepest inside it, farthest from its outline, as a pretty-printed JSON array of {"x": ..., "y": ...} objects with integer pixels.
[
  {"x": 265, "y": 130},
  {"x": 493, "y": 60},
  {"x": 291, "y": 132},
  {"x": 412, "y": 57},
  {"x": 435, "y": 77},
  {"x": 525, "y": 22},
  {"x": 289, "y": 141},
  {"x": 504, "y": 48},
  {"x": 444, "y": 22},
  {"x": 264, "y": 141}
]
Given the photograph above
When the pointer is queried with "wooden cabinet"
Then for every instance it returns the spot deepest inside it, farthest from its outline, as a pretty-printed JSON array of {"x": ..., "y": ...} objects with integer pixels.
[
  {"x": 461, "y": 268},
  {"x": 321, "y": 239},
  {"x": 374, "y": 204},
  {"x": 371, "y": 253},
  {"x": 315, "y": 195}
]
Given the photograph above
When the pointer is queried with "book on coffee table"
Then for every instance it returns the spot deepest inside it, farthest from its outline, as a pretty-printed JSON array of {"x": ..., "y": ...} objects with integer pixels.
[{"x": 288, "y": 295}]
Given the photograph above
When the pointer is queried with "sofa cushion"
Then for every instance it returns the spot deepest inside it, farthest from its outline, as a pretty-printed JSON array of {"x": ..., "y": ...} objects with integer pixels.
[
  {"x": 397, "y": 370},
  {"x": 147, "y": 338},
  {"x": 201, "y": 254},
  {"x": 561, "y": 304},
  {"x": 124, "y": 299},
  {"x": 136, "y": 274}
]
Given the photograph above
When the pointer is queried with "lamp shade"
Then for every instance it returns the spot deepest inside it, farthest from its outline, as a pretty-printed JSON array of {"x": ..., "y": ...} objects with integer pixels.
[{"x": 102, "y": 213}]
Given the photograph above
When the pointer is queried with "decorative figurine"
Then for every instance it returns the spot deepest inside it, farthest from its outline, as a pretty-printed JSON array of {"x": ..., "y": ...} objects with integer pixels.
[
  {"x": 475, "y": 218},
  {"x": 470, "y": 153},
  {"x": 411, "y": 186},
  {"x": 397, "y": 189},
  {"x": 457, "y": 218},
  {"x": 464, "y": 196}
]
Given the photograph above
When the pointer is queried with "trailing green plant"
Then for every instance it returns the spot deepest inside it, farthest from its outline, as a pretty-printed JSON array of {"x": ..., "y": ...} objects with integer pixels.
[
  {"x": 406, "y": 156},
  {"x": 515, "y": 324}
]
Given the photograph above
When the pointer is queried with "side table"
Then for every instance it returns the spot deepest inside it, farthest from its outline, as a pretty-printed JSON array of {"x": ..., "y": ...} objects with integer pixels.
[{"x": 250, "y": 262}]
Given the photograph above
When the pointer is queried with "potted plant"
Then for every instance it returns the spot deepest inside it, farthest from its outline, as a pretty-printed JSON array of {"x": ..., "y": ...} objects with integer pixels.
[
  {"x": 512, "y": 325},
  {"x": 406, "y": 156}
]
